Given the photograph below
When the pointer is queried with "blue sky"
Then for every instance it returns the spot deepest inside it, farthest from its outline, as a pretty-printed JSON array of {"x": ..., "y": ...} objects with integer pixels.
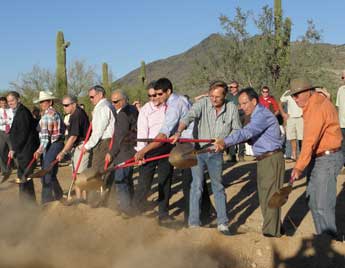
[{"x": 122, "y": 33}]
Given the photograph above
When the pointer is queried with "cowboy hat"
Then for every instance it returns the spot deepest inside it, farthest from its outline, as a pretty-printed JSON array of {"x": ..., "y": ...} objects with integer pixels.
[
  {"x": 298, "y": 85},
  {"x": 45, "y": 95}
]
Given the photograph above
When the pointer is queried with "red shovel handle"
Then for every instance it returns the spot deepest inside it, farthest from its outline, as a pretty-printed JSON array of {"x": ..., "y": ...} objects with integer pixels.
[
  {"x": 179, "y": 140},
  {"x": 129, "y": 164}
]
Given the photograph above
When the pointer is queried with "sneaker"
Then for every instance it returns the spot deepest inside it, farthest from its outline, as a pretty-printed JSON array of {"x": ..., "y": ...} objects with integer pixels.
[{"x": 224, "y": 229}]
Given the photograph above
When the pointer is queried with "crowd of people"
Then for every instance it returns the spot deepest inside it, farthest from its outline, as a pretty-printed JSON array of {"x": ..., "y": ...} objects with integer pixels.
[{"x": 303, "y": 127}]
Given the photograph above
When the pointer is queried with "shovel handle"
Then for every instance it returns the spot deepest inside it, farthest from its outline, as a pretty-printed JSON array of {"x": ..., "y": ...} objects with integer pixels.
[
  {"x": 133, "y": 163},
  {"x": 179, "y": 140},
  {"x": 9, "y": 159}
]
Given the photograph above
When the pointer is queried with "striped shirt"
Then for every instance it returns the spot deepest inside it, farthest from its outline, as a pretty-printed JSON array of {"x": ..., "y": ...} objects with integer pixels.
[
  {"x": 213, "y": 125},
  {"x": 51, "y": 128}
]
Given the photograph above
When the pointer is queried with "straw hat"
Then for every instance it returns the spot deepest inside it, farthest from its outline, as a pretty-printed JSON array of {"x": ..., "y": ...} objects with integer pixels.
[{"x": 45, "y": 95}]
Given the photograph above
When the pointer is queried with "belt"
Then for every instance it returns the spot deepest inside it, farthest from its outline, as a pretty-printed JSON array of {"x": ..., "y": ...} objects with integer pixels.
[
  {"x": 267, "y": 154},
  {"x": 327, "y": 152}
]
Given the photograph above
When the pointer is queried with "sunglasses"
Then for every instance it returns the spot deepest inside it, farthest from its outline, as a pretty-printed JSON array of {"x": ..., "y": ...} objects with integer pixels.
[
  {"x": 67, "y": 104},
  {"x": 92, "y": 97},
  {"x": 159, "y": 94},
  {"x": 115, "y": 101},
  {"x": 233, "y": 87},
  {"x": 152, "y": 96},
  {"x": 343, "y": 77},
  {"x": 264, "y": 91}
]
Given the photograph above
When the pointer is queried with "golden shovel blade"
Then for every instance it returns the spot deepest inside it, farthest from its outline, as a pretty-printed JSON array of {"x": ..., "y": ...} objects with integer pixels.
[
  {"x": 278, "y": 199},
  {"x": 182, "y": 156},
  {"x": 89, "y": 179}
]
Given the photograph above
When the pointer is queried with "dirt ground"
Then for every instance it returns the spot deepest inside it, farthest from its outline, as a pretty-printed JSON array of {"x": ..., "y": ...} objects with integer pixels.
[{"x": 55, "y": 235}]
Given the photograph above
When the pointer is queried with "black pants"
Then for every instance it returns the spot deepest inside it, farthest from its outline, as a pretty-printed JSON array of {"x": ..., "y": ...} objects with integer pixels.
[
  {"x": 146, "y": 174},
  {"x": 206, "y": 205},
  {"x": 26, "y": 190}
]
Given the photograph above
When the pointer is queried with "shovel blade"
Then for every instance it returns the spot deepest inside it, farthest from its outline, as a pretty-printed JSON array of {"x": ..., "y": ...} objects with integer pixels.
[
  {"x": 182, "y": 156},
  {"x": 89, "y": 179},
  {"x": 279, "y": 198}
]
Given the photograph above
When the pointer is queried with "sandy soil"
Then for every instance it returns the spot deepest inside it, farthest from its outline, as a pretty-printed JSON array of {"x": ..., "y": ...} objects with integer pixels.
[{"x": 80, "y": 236}]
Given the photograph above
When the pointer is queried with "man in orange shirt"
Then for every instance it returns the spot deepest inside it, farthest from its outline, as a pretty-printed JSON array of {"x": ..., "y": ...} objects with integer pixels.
[{"x": 321, "y": 153}]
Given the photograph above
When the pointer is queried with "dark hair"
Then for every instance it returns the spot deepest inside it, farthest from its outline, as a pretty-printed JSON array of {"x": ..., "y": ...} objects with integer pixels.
[
  {"x": 234, "y": 82},
  {"x": 218, "y": 83},
  {"x": 163, "y": 84},
  {"x": 151, "y": 85},
  {"x": 265, "y": 87},
  {"x": 251, "y": 93},
  {"x": 14, "y": 94},
  {"x": 3, "y": 99},
  {"x": 98, "y": 88}
]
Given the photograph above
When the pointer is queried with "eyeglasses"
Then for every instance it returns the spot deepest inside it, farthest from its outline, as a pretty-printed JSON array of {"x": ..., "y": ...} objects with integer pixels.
[
  {"x": 152, "y": 96},
  {"x": 67, "y": 104},
  {"x": 115, "y": 101}
]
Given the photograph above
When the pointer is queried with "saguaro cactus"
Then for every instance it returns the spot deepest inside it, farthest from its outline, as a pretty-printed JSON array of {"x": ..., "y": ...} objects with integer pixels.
[
  {"x": 61, "y": 73},
  {"x": 281, "y": 68},
  {"x": 142, "y": 79},
  {"x": 105, "y": 79}
]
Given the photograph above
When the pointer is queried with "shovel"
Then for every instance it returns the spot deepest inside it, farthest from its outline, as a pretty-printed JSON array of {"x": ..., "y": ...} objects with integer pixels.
[
  {"x": 92, "y": 179},
  {"x": 184, "y": 155},
  {"x": 24, "y": 179},
  {"x": 40, "y": 173},
  {"x": 279, "y": 198}
]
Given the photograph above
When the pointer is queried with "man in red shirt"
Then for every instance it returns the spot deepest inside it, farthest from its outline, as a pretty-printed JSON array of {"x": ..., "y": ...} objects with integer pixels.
[{"x": 268, "y": 101}]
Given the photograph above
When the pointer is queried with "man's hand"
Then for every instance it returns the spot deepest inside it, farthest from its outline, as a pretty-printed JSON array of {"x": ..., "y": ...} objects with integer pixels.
[
  {"x": 175, "y": 137},
  {"x": 219, "y": 145},
  {"x": 108, "y": 158},
  {"x": 296, "y": 174},
  {"x": 37, "y": 155},
  {"x": 60, "y": 156},
  {"x": 139, "y": 155},
  {"x": 285, "y": 116}
]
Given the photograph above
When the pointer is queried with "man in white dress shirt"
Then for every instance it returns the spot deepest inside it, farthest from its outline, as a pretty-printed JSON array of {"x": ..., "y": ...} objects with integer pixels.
[{"x": 6, "y": 118}]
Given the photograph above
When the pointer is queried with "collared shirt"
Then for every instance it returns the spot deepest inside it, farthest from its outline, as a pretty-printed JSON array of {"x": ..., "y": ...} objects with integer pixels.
[
  {"x": 341, "y": 105},
  {"x": 52, "y": 128},
  {"x": 270, "y": 103},
  {"x": 232, "y": 98},
  {"x": 103, "y": 123},
  {"x": 292, "y": 108},
  {"x": 6, "y": 120},
  {"x": 150, "y": 121},
  {"x": 211, "y": 124},
  {"x": 321, "y": 129},
  {"x": 262, "y": 132},
  {"x": 177, "y": 108}
]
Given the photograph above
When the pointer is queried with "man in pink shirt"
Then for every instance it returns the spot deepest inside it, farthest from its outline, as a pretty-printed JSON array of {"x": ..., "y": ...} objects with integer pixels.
[{"x": 150, "y": 121}]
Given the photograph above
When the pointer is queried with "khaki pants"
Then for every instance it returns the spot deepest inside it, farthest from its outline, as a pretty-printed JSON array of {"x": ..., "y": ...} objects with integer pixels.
[
  {"x": 270, "y": 178},
  {"x": 85, "y": 161}
]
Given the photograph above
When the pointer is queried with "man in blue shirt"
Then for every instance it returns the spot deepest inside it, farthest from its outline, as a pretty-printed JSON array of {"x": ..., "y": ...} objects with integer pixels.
[{"x": 263, "y": 134}]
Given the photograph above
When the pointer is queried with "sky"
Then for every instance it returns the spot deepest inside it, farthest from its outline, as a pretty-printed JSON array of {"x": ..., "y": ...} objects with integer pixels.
[{"x": 123, "y": 33}]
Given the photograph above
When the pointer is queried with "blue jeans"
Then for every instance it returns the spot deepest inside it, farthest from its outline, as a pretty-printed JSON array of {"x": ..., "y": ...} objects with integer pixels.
[
  {"x": 321, "y": 190},
  {"x": 51, "y": 189},
  {"x": 213, "y": 162},
  {"x": 124, "y": 188}
]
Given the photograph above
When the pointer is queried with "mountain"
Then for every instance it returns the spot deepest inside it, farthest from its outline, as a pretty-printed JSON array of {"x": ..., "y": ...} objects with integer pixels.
[{"x": 179, "y": 68}]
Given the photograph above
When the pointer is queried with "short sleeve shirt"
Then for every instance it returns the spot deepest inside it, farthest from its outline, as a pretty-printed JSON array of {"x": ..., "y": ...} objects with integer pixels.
[
  {"x": 292, "y": 109},
  {"x": 78, "y": 125},
  {"x": 340, "y": 103}
]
